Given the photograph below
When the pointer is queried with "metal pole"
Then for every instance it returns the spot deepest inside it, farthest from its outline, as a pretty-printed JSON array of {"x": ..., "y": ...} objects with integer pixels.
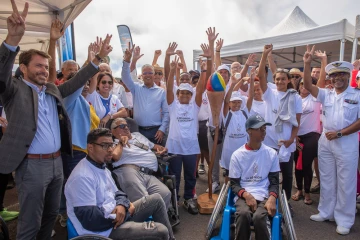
[
  {"x": 342, "y": 49},
  {"x": 73, "y": 40},
  {"x": 356, "y": 39}
]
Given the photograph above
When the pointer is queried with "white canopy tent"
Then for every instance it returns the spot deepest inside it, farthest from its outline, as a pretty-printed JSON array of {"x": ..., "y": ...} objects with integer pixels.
[
  {"x": 290, "y": 38},
  {"x": 39, "y": 18}
]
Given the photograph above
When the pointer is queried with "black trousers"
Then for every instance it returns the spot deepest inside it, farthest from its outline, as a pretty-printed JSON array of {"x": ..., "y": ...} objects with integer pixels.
[
  {"x": 4, "y": 179},
  {"x": 287, "y": 175},
  {"x": 309, "y": 152}
]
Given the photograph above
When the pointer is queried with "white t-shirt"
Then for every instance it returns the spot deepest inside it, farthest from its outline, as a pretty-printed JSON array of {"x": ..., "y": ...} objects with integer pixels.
[
  {"x": 258, "y": 108},
  {"x": 89, "y": 186},
  {"x": 310, "y": 117},
  {"x": 272, "y": 98},
  {"x": 253, "y": 168},
  {"x": 129, "y": 98},
  {"x": 136, "y": 155},
  {"x": 95, "y": 100},
  {"x": 204, "y": 112},
  {"x": 235, "y": 137},
  {"x": 183, "y": 128}
]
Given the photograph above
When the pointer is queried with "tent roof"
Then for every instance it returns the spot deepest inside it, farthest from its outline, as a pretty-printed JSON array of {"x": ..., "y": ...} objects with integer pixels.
[
  {"x": 287, "y": 39},
  {"x": 295, "y": 21},
  {"x": 39, "y": 18}
]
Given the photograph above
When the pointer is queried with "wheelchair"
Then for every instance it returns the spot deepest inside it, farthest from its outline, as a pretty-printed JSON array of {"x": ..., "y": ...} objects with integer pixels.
[{"x": 224, "y": 211}]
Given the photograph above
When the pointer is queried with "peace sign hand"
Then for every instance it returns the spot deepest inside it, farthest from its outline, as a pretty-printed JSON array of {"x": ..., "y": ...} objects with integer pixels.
[
  {"x": 174, "y": 63},
  {"x": 308, "y": 56},
  {"x": 128, "y": 52},
  {"x": 16, "y": 24}
]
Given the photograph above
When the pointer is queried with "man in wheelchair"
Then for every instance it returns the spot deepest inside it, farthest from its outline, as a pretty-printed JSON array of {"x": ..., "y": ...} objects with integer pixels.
[
  {"x": 254, "y": 175},
  {"x": 135, "y": 163},
  {"x": 96, "y": 206}
]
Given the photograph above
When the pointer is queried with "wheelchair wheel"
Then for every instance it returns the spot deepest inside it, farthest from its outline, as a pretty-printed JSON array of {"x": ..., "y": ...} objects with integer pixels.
[
  {"x": 289, "y": 225},
  {"x": 90, "y": 237},
  {"x": 218, "y": 209}
]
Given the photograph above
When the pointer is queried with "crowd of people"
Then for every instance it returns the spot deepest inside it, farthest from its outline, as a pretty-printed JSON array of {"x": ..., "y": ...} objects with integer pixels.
[{"x": 67, "y": 136}]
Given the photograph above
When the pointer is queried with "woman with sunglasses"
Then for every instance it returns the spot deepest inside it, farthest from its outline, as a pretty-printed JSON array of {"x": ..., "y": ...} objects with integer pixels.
[
  {"x": 107, "y": 106},
  {"x": 308, "y": 137},
  {"x": 296, "y": 76},
  {"x": 283, "y": 111}
]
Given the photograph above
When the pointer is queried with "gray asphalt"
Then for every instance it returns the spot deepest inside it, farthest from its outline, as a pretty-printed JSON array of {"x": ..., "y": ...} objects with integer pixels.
[{"x": 194, "y": 226}]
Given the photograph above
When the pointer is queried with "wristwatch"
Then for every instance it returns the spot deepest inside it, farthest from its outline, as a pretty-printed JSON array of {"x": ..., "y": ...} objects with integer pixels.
[
  {"x": 339, "y": 134},
  {"x": 99, "y": 58}
]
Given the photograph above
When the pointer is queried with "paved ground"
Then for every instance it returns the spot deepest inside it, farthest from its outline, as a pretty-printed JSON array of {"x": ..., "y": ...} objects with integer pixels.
[{"x": 194, "y": 227}]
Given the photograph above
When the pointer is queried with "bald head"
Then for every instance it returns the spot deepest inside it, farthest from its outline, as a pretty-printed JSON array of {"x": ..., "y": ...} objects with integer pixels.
[{"x": 235, "y": 68}]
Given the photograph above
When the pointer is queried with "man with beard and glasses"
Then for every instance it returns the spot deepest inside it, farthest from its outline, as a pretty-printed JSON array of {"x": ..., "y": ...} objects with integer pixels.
[
  {"x": 338, "y": 149},
  {"x": 39, "y": 128},
  {"x": 150, "y": 107},
  {"x": 95, "y": 205}
]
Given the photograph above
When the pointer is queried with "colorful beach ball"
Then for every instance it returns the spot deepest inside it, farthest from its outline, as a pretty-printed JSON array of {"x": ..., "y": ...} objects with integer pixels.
[{"x": 216, "y": 83}]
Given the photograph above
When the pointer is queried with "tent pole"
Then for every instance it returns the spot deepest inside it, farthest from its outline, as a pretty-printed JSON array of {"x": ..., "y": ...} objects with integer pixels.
[
  {"x": 342, "y": 49},
  {"x": 356, "y": 39}
]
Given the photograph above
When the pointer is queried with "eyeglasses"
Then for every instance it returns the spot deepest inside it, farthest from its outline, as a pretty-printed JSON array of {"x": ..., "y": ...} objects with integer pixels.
[
  {"x": 184, "y": 79},
  {"x": 159, "y": 73},
  {"x": 109, "y": 82},
  {"x": 121, "y": 126},
  {"x": 339, "y": 74},
  {"x": 295, "y": 76},
  {"x": 147, "y": 73},
  {"x": 105, "y": 146}
]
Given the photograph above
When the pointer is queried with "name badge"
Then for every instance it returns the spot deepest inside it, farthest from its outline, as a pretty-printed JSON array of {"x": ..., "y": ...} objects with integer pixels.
[{"x": 351, "y": 101}]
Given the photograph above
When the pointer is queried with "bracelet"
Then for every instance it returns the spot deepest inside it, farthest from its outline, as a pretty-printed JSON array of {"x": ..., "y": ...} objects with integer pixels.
[
  {"x": 203, "y": 70},
  {"x": 217, "y": 51}
]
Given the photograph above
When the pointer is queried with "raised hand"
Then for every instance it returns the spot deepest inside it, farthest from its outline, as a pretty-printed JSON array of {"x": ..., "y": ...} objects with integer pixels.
[
  {"x": 219, "y": 44},
  {"x": 91, "y": 51},
  {"x": 202, "y": 64},
  {"x": 174, "y": 63},
  {"x": 57, "y": 30},
  {"x": 308, "y": 56},
  {"x": 252, "y": 74},
  {"x": 137, "y": 55},
  {"x": 171, "y": 49},
  {"x": 128, "y": 52},
  {"x": 180, "y": 65},
  {"x": 251, "y": 59},
  {"x": 320, "y": 54},
  {"x": 106, "y": 48},
  {"x": 268, "y": 49},
  {"x": 157, "y": 53},
  {"x": 206, "y": 50},
  {"x": 211, "y": 34},
  {"x": 16, "y": 24},
  {"x": 179, "y": 53}
]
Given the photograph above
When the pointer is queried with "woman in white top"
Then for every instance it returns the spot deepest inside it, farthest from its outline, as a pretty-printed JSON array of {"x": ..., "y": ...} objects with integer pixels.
[
  {"x": 258, "y": 104},
  {"x": 106, "y": 105},
  {"x": 182, "y": 139},
  {"x": 308, "y": 136},
  {"x": 283, "y": 111},
  {"x": 236, "y": 134}
]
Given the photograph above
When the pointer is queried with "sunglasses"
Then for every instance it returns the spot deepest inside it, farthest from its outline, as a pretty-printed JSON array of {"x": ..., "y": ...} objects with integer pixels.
[
  {"x": 109, "y": 82},
  {"x": 147, "y": 73},
  {"x": 159, "y": 73},
  {"x": 121, "y": 126},
  {"x": 340, "y": 74},
  {"x": 295, "y": 76},
  {"x": 282, "y": 70},
  {"x": 105, "y": 146}
]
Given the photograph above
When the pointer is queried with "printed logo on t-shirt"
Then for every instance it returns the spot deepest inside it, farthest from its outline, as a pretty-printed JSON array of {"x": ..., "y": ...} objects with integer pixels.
[
  {"x": 114, "y": 106},
  {"x": 238, "y": 133},
  {"x": 205, "y": 101},
  {"x": 184, "y": 117},
  {"x": 254, "y": 178},
  {"x": 274, "y": 111}
]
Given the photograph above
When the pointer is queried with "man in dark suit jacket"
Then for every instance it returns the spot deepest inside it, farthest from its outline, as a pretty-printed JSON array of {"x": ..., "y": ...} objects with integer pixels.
[{"x": 38, "y": 130}]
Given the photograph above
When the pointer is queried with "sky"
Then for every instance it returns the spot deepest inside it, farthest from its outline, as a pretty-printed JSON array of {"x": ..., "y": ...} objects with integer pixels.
[{"x": 154, "y": 24}]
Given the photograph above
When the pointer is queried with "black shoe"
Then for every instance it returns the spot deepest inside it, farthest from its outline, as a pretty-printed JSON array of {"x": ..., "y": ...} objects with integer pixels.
[{"x": 191, "y": 206}]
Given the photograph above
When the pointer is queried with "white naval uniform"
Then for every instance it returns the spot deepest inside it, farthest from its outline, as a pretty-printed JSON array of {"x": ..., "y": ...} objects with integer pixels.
[{"x": 338, "y": 159}]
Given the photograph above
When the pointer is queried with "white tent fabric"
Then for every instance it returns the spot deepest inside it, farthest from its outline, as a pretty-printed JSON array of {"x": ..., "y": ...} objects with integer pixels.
[
  {"x": 39, "y": 18},
  {"x": 289, "y": 46}
]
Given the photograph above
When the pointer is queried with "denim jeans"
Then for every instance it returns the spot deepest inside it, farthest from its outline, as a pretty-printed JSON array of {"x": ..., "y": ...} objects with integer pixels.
[{"x": 175, "y": 167}]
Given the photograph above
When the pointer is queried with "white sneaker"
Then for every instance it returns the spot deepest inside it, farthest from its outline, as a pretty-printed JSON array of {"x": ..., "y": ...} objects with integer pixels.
[
  {"x": 318, "y": 218},
  {"x": 215, "y": 187},
  {"x": 342, "y": 230}
]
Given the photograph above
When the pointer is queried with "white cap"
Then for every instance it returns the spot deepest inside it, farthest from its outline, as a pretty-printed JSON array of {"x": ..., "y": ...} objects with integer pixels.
[
  {"x": 236, "y": 96},
  {"x": 223, "y": 67},
  {"x": 186, "y": 86},
  {"x": 339, "y": 66},
  {"x": 358, "y": 74}
]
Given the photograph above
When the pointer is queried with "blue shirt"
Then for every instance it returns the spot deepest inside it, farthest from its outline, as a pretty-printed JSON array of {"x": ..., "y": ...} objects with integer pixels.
[
  {"x": 47, "y": 136},
  {"x": 150, "y": 106}
]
